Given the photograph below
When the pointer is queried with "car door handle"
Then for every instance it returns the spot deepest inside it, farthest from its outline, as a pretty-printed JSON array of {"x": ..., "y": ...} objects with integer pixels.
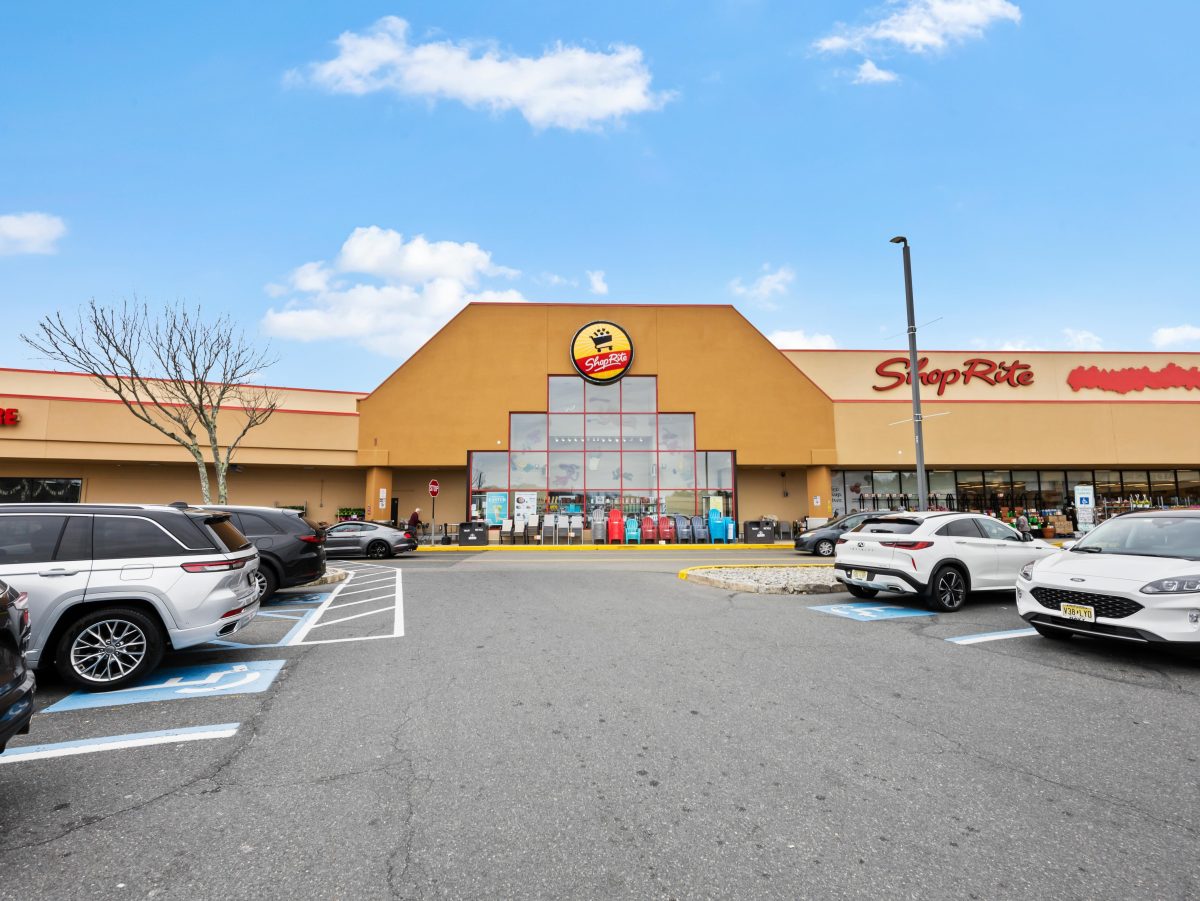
[{"x": 58, "y": 572}]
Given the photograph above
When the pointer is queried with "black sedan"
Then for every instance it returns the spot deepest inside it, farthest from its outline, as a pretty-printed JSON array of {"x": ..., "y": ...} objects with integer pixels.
[
  {"x": 16, "y": 677},
  {"x": 822, "y": 539}
]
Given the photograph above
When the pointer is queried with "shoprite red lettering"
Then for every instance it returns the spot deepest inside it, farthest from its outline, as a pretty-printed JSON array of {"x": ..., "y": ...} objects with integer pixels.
[
  {"x": 598, "y": 363},
  {"x": 990, "y": 372},
  {"x": 10, "y": 416}
]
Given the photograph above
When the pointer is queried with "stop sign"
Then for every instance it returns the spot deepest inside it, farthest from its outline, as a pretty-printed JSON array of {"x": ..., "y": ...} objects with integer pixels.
[{"x": 434, "y": 487}]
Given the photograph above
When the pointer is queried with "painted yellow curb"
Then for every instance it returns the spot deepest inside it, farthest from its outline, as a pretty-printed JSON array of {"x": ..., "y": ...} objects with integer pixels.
[
  {"x": 683, "y": 573},
  {"x": 534, "y": 548}
]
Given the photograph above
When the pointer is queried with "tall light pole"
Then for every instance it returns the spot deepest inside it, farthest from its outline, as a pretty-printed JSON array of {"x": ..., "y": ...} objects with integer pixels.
[{"x": 914, "y": 376}]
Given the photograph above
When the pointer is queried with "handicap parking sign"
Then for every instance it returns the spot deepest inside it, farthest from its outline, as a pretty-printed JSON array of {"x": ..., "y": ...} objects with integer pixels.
[
  {"x": 181, "y": 683},
  {"x": 869, "y": 611}
]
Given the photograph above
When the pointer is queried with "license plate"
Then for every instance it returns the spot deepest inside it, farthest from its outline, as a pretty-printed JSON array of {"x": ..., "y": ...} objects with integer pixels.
[
  {"x": 1079, "y": 612},
  {"x": 860, "y": 574}
]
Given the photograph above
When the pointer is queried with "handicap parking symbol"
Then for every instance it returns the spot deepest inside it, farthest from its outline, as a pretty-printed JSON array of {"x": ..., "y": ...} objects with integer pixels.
[
  {"x": 869, "y": 612},
  {"x": 184, "y": 682}
]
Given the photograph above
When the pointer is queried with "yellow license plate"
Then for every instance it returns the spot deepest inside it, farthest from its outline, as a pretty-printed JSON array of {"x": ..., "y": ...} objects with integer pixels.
[
  {"x": 860, "y": 574},
  {"x": 1078, "y": 612}
]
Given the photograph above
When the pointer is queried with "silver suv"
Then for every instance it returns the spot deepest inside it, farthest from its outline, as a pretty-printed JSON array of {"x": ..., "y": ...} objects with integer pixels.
[{"x": 112, "y": 586}]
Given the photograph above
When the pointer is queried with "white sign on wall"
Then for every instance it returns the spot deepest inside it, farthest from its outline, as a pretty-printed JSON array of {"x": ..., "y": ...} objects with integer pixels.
[{"x": 382, "y": 498}]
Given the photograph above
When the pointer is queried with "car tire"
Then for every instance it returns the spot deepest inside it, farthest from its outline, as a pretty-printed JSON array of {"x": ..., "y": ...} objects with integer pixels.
[
  {"x": 136, "y": 643},
  {"x": 378, "y": 550},
  {"x": 859, "y": 592},
  {"x": 267, "y": 582},
  {"x": 824, "y": 548},
  {"x": 1052, "y": 633},
  {"x": 948, "y": 589}
]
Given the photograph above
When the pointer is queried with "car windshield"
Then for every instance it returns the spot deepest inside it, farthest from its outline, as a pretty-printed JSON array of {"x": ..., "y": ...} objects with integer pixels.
[{"x": 1145, "y": 536}]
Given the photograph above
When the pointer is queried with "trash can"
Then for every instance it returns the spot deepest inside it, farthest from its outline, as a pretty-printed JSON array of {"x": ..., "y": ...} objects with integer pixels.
[
  {"x": 472, "y": 534},
  {"x": 755, "y": 532}
]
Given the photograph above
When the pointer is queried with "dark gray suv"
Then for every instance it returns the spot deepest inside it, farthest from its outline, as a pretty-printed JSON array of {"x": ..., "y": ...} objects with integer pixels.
[{"x": 291, "y": 548}]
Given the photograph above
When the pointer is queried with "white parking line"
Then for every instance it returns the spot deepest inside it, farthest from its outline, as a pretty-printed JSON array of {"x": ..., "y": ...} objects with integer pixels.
[
  {"x": 992, "y": 636},
  {"x": 368, "y": 588},
  {"x": 355, "y": 603},
  {"x": 308, "y": 626},
  {"x": 398, "y": 629},
  {"x": 119, "y": 742},
  {"x": 334, "y": 622}
]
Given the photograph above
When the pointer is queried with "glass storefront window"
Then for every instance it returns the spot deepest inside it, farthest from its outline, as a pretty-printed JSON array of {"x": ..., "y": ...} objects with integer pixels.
[
  {"x": 941, "y": 488},
  {"x": 1024, "y": 488},
  {"x": 1077, "y": 477},
  {"x": 997, "y": 485},
  {"x": 1053, "y": 489},
  {"x": 678, "y": 502},
  {"x": 566, "y": 432},
  {"x": 908, "y": 487},
  {"x": 602, "y": 398},
  {"x": 677, "y": 470},
  {"x": 860, "y": 490},
  {"x": 639, "y": 394},
  {"x": 714, "y": 469},
  {"x": 1189, "y": 485},
  {"x": 676, "y": 431},
  {"x": 489, "y": 470},
  {"x": 527, "y": 470},
  {"x": 15, "y": 490},
  {"x": 603, "y": 470},
  {"x": 716, "y": 500},
  {"x": 970, "y": 489},
  {"x": 1108, "y": 484},
  {"x": 638, "y": 471},
  {"x": 527, "y": 431},
  {"x": 1162, "y": 486},
  {"x": 566, "y": 471},
  {"x": 1135, "y": 482},
  {"x": 887, "y": 490},
  {"x": 566, "y": 394},
  {"x": 639, "y": 432},
  {"x": 603, "y": 431}
]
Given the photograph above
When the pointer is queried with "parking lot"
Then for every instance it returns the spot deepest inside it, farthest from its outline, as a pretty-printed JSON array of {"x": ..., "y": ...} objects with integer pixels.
[{"x": 589, "y": 725}]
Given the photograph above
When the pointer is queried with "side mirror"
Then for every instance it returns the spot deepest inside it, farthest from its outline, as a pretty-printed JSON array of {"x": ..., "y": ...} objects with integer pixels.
[{"x": 1067, "y": 545}]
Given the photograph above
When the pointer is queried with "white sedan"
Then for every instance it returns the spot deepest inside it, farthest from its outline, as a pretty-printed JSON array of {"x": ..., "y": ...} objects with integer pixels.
[{"x": 1135, "y": 577}]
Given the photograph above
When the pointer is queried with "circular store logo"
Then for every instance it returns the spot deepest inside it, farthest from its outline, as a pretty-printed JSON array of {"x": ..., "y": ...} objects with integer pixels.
[{"x": 602, "y": 352}]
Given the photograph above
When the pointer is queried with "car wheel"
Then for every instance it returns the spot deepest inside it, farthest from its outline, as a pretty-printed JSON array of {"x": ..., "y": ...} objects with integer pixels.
[
  {"x": 824, "y": 548},
  {"x": 109, "y": 648},
  {"x": 266, "y": 582},
  {"x": 948, "y": 590},
  {"x": 377, "y": 550},
  {"x": 1052, "y": 633},
  {"x": 859, "y": 592}
]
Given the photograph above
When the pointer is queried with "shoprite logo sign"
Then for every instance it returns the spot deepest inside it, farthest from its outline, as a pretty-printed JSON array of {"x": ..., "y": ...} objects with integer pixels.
[
  {"x": 895, "y": 373},
  {"x": 602, "y": 352}
]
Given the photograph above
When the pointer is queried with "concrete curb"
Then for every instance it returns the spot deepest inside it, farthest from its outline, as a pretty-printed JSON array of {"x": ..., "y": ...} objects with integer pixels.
[
  {"x": 695, "y": 574},
  {"x": 331, "y": 577}
]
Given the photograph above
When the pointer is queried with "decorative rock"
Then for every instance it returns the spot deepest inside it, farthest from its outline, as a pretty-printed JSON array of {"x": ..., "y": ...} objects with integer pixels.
[{"x": 767, "y": 579}]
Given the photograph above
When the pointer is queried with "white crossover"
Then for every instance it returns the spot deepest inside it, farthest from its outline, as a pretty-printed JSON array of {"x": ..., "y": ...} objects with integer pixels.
[
  {"x": 942, "y": 556},
  {"x": 1135, "y": 577}
]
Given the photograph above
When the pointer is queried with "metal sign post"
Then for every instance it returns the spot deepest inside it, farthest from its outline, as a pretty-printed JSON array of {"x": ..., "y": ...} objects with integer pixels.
[{"x": 434, "y": 489}]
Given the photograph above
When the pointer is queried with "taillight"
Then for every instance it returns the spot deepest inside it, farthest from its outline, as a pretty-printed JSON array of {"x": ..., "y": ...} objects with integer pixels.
[
  {"x": 312, "y": 539},
  {"x": 908, "y": 545},
  {"x": 408, "y": 534},
  {"x": 841, "y": 541},
  {"x": 233, "y": 612},
  {"x": 22, "y": 603},
  {"x": 214, "y": 566}
]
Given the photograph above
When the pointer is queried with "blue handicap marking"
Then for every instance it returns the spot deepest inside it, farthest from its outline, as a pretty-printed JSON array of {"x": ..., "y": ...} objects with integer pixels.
[
  {"x": 280, "y": 599},
  {"x": 181, "y": 683},
  {"x": 869, "y": 611}
]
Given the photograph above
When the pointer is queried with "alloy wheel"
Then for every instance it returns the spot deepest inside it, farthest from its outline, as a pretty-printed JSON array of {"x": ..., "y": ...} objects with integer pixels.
[
  {"x": 108, "y": 650},
  {"x": 260, "y": 584},
  {"x": 825, "y": 548},
  {"x": 377, "y": 550},
  {"x": 951, "y": 589}
]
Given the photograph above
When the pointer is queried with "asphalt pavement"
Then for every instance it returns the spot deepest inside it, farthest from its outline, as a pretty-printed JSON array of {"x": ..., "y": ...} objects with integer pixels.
[{"x": 588, "y": 725}]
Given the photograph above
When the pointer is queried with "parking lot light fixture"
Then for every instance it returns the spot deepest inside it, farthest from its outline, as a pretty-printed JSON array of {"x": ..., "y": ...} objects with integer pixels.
[{"x": 914, "y": 377}]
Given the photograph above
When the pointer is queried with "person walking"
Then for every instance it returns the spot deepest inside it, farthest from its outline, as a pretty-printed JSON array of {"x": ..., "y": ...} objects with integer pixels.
[
  {"x": 414, "y": 521},
  {"x": 1023, "y": 527}
]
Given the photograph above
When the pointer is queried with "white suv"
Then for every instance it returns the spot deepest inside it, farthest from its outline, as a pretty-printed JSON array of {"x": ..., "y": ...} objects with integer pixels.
[
  {"x": 1135, "y": 577},
  {"x": 110, "y": 587},
  {"x": 942, "y": 555}
]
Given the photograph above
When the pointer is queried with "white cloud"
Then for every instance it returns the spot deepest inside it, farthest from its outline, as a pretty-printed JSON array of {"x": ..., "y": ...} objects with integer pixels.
[
  {"x": 1176, "y": 334},
  {"x": 1082, "y": 339},
  {"x": 869, "y": 73},
  {"x": 30, "y": 233},
  {"x": 798, "y": 339},
  {"x": 387, "y": 294},
  {"x": 566, "y": 87},
  {"x": 596, "y": 282},
  {"x": 919, "y": 26},
  {"x": 772, "y": 283},
  {"x": 556, "y": 281}
]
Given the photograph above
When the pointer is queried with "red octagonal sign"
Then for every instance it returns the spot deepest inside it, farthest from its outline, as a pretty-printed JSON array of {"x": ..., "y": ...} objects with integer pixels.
[{"x": 434, "y": 487}]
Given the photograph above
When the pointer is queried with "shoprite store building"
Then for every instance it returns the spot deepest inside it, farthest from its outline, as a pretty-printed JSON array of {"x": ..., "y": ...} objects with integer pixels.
[{"x": 683, "y": 409}]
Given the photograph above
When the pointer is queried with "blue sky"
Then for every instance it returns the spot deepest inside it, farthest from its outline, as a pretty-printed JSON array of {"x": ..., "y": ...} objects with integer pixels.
[{"x": 1041, "y": 158}]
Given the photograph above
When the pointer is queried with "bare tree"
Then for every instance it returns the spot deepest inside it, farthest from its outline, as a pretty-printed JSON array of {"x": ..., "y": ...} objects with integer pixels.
[{"x": 171, "y": 369}]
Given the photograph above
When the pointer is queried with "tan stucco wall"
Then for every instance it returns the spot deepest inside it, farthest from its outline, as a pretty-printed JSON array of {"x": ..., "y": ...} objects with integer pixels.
[
  {"x": 760, "y": 492},
  {"x": 454, "y": 395},
  {"x": 323, "y": 490}
]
